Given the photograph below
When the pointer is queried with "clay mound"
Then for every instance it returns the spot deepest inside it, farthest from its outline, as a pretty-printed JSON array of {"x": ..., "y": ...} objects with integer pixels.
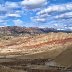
[
  {"x": 65, "y": 58},
  {"x": 56, "y": 46}
]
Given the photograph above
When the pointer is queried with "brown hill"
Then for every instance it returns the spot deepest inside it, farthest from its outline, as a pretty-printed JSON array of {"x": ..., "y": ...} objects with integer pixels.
[
  {"x": 15, "y": 30},
  {"x": 36, "y": 43}
]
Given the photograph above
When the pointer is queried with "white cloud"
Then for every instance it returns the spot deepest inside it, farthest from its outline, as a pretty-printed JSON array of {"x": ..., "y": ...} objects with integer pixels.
[
  {"x": 12, "y": 15},
  {"x": 41, "y": 20},
  {"x": 18, "y": 22},
  {"x": 64, "y": 15},
  {"x": 12, "y": 5},
  {"x": 59, "y": 15},
  {"x": 43, "y": 16},
  {"x": 52, "y": 16},
  {"x": 70, "y": 28},
  {"x": 2, "y": 8},
  {"x": 10, "y": 9},
  {"x": 31, "y": 4},
  {"x": 57, "y": 8}
]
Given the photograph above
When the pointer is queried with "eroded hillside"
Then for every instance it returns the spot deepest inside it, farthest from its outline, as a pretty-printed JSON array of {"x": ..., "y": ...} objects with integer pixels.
[
  {"x": 47, "y": 52},
  {"x": 50, "y": 44}
]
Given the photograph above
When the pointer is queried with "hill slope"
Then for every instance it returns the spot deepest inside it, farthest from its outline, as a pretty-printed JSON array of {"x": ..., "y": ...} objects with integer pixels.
[
  {"x": 38, "y": 46},
  {"x": 51, "y": 42}
]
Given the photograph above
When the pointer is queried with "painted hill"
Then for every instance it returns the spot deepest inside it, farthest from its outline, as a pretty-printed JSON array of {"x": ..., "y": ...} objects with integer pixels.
[
  {"x": 33, "y": 43},
  {"x": 47, "y": 45}
]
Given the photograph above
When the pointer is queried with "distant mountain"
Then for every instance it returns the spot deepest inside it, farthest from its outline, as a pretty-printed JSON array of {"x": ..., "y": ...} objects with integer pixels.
[{"x": 15, "y": 30}]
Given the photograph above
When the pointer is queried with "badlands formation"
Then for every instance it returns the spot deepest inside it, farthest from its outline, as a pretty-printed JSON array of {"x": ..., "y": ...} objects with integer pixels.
[{"x": 32, "y": 49}]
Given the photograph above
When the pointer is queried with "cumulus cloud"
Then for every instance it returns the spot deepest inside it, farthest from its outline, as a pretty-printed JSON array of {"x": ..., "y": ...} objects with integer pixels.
[
  {"x": 10, "y": 10},
  {"x": 56, "y": 8},
  {"x": 40, "y": 11},
  {"x": 59, "y": 15},
  {"x": 41, "y": 18},
  {"x": 31, "y": 4},
  {"x": 64, "y": 15}
]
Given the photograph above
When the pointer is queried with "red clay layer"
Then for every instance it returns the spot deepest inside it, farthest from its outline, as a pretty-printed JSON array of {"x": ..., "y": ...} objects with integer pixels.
[{"x": 61, "y": 41}]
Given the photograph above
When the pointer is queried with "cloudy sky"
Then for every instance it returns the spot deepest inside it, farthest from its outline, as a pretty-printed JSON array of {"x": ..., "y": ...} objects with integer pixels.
[{"x": 36, "y": 13}]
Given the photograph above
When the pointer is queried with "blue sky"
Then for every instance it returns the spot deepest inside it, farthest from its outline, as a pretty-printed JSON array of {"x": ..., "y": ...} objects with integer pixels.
[{"x": 36, "y": 13}]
